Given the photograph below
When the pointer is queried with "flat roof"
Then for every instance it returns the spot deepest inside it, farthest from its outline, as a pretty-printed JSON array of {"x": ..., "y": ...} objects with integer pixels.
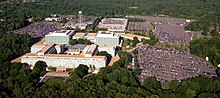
[
  {"x": 73, "y": 50},
  {"x": 79, "y": 34},
  {"x": 47, "y": 47},
  {"x": 91, "y": 34},
  {"x": 106, "y": 34},
  {"x": 41, "y": 43},
  {"x": 16, "y": 60},
  {"x": 120, "y": 21},
  {"x": 61, "y": 33},
  {"x": 90, "y": 49},
  {"x": 77, "y": 46}
]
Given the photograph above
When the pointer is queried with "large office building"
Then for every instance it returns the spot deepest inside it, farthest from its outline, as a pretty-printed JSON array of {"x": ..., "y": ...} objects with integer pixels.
[
  {"x": 114, "y": 24},
  {"x": 80, "y": 26},
  {"x": 107, "y": 38},
  {"x": 59, "y": 37},
  {"x": 55, "y": 56},
  {"x": 102, "y": 38}
]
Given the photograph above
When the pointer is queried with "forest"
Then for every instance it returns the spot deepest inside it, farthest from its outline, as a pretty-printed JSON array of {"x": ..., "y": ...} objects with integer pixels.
[
  {"x": 207, "y": 47},
  {"x": 206, "y": 12}
]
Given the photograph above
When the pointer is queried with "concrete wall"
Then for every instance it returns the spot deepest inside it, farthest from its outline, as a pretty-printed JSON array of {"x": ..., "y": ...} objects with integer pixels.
[
  {"x": 59, "y": 49},
  {"x": 107, "y": 41},
  {"x": 35, "y": 49},
  {"x": 108, "y": 50},
  {"x": 57, "y": 39},
  {"x": 65, "y": 62}
]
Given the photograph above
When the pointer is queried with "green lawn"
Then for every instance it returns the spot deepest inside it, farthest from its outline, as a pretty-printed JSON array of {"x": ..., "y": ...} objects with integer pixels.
[{"x": 53, "y": 81}]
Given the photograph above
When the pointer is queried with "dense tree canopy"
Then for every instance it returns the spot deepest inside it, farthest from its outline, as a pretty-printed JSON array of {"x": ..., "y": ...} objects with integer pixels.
[
  {"x": 153, "y": 40},
  {"x": 207, "y": 47},
  {"x": 205, "y": 11},
  {"x": 13, "y": 45}
]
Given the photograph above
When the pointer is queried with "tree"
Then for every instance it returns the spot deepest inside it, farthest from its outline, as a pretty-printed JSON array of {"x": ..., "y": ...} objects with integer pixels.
[
  {"x": 182, "y": 87},
  {"x": 174, "y": 84},
  {"x": 218, "y": 71},
  {"x": 135, "y": 41},
  {"x": 81, "y": 41},
  {"x": 165, "y": 85},
  {"x": 39, "y": 68},
  {"x": 214, "y": 32},
  {"x": 152, "y": 84},
  {"x": 190, "y": 93},
  {"x": 144, "y": 41},
  {"x": 153, "y": 40},
  {"x": 205, "y": 33},
  {"x": 73, "y": 42},
  {"x": 128, "y": 42},
  {"x": 125, "y": 57},
  {"x": 81, "y": 70}
]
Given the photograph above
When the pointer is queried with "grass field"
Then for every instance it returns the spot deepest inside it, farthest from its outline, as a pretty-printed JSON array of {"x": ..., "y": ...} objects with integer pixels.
[{"x": 53, "y": 81}]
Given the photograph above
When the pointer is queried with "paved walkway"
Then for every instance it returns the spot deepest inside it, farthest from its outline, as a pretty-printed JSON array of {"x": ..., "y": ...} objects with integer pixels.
[
  {"x": 49, "y": 75},
  {"x": 113, "y": 60}
]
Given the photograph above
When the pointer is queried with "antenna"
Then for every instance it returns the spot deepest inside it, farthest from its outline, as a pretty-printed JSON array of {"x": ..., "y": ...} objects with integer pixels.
[{"x": 80, "y": 16}]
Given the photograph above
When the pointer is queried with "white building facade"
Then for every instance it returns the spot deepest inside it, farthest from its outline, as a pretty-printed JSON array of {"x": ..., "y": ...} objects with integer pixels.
[
  {"x": 107, "y": 38},
  {"x": 65, "y": 61}
]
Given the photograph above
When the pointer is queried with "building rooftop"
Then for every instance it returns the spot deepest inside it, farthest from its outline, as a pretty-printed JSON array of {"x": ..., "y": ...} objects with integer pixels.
[
  {"x": 120, "y": 21},
  {"x": 89, "y": 49},
  {"x": 91, "y": 34},
  {"x": 77, "y": 46},
  {"x": 79, "y": 34},
  {"x": 16, "y": 60},
  {"x": 106, "y": 34},
  {"x": 61, "y": 33},
  {"x": 41, "y": 43},
  {"x": 46, "y": 48},
  {"x": 73, "y": 50}
]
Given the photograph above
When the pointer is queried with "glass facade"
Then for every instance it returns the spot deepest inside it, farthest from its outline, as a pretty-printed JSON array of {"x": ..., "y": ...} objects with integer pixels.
[{"x": 57, "y": 39}]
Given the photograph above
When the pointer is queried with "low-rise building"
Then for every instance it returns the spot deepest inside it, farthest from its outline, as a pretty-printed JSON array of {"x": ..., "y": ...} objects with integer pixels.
[
  {"x": 79, "y": 35},
  {"x": 114, "y": 24},
  {"x": 107, "y": 38},
  {"x": 91, "y": 37},
  {"x": 80, "y": 26},
  {"x": 52, "y": 19},
  {"x": 64, "y": 60},
  {"x": 59, "y": 37}
]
